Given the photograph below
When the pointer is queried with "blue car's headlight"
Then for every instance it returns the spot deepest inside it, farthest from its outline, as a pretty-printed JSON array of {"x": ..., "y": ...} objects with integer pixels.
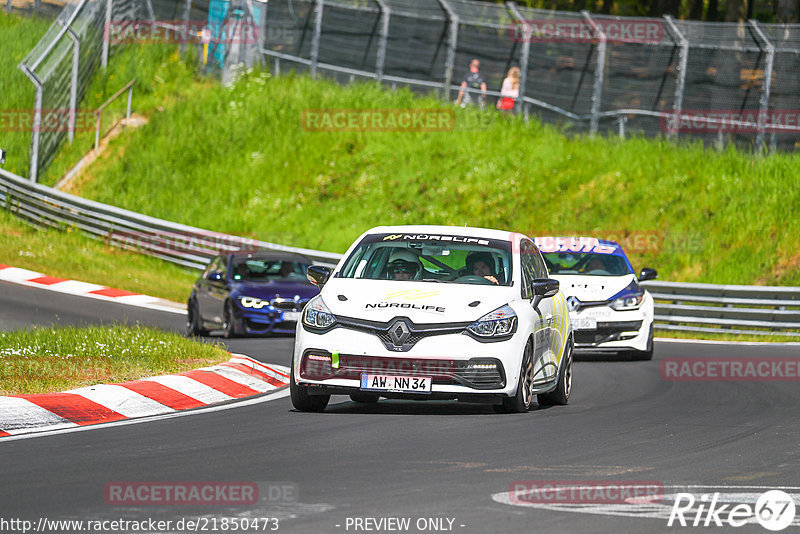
[
  {"x": 253, "y": 302},
  {"x": 500, "y": 322},
  {"x": 317, "y": 315}
]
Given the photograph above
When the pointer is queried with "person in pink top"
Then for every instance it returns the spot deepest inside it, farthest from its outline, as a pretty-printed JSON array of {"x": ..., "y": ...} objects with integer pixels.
[{"x": 509, "y": 92}]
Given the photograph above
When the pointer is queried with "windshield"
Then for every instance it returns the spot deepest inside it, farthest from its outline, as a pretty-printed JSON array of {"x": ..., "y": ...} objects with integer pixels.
[
  {"x": 585, "y": 263},
  {"x": 430, "y": 258},
  {"x": 259, "y": 269}
]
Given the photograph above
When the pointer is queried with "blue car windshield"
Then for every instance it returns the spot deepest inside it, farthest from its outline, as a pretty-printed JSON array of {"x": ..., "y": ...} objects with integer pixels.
[
  {"x": 430, "y": 258},
  {"x": 255, "y": 270},
  {"x": 585, "y": 263}
]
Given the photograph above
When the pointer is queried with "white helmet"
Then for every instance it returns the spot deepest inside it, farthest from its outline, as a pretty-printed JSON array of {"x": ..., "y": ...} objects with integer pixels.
[{"x": 406, "y": 260}]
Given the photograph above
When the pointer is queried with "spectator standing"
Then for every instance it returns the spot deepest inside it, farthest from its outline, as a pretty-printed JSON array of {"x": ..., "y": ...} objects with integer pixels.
[
  {"x": 509, "y": 92},
  {"x": 473, "y": 82}
]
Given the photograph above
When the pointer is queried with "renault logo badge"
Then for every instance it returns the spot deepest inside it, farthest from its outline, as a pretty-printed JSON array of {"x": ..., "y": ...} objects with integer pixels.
[
  {"x": 573, "y": 303},
  {"x": 399, "y": 333}
]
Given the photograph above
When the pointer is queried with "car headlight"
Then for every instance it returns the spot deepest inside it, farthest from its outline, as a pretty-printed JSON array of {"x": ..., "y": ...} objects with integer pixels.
[
  {"x": 253, "y": 302},
  {"x": 317, "y": 315},
  {"x": 500, "y": 322},
  {"x": 628, "y": 302}
]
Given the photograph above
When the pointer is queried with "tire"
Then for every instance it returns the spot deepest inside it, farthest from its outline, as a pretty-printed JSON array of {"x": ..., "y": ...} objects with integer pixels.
[
  {"x": 647, "y": 354},
  {"x": 194, "y": 324},
  {"x": 560, "y": 395},
  {"x": 229, "y": 321},
  {"x": 304, "y": 402},
  {"x": 364, "y": 398},
  {"x": 521, "y": 401}
]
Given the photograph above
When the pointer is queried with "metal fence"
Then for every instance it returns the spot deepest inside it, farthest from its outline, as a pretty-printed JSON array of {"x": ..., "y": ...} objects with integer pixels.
[{"x": 718, "y": 82}]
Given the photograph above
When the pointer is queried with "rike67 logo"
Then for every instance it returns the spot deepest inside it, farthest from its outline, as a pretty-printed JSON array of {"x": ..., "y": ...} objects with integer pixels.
[{"x": 774, "y": 510}]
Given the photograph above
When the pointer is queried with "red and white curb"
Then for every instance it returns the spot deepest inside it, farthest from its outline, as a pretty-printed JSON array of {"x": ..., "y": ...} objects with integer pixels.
[
  {"x": 240, "y": 377},
  {"x": 85, "y": 289}
]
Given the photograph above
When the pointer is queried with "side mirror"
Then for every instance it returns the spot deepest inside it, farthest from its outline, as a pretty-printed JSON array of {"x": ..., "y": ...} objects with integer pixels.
[
  {"x": 648, "y": 274},
  {"x": 544, "y": 288},
  {"x": 214, "y": 276},
  {"x": 318, "y": 275}
]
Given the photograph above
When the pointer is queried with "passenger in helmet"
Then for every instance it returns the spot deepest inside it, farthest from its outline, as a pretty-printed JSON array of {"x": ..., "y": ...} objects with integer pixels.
[{"x": 404, "y": 265}]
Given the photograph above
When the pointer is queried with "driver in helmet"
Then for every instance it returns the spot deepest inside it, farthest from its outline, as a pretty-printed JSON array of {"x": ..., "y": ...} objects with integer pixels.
[
  {"x": 404, "y": 265},
  {"x": 481, "y": 264}
]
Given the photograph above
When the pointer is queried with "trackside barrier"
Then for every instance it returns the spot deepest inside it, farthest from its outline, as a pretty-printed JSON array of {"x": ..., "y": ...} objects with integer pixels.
[
  {"x": 184, "y": 245},
  {"x": 729, "y": 309},
  {"x": 679, "y": 306}
]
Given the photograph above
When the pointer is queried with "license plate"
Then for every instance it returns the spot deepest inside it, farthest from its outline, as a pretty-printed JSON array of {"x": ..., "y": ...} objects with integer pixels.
[
  {"x": 291, "y": 316},
  {"x": 398, "y": 384},
  {"x": 584, "y": 323}
]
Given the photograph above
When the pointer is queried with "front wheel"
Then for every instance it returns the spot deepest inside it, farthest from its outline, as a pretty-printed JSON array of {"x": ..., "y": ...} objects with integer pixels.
[
  {"x": 521, "y": 401},
  {"x": 229, "y": 321},
  {"x": 194, "y": 323},
  {"x": 560, "y": 395},
  {"x": 304, "y": 402}
]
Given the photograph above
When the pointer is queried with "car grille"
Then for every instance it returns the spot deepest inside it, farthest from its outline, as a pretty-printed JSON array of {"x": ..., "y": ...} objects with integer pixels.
[
  {"x": 442, "y": 371},
  {"x": 605, "y": 332},
  {"x": 289, "y": 304},
  {"x": 415, "y": 332}
]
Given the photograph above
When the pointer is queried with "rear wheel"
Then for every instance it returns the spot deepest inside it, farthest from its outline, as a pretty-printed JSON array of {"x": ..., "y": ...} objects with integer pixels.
[
  {"x": 304, "y": 402},
  {"x": 521, "y": 401},
  {"x": 364, "y": 398},
  {"x": 194, "y": 323},
  {"x": 560, "y": 395}
]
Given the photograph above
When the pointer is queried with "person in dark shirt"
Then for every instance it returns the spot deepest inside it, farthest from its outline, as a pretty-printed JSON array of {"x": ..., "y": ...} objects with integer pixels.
[{"x": 473, "y": 82}]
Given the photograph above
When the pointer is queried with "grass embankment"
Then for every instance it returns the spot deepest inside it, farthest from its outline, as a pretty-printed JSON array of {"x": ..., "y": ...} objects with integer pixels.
[
  {"x": 43, "y": 360},
  {"x": 73, "y": 255},
  {"x": 237, "y": 160},
  {"x": 18, "y": 36}
]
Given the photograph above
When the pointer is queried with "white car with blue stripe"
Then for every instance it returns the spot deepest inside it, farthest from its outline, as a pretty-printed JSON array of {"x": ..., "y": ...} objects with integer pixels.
[
  {"x": 435, "y": 312},
  {"x": 609, "y": 309}
]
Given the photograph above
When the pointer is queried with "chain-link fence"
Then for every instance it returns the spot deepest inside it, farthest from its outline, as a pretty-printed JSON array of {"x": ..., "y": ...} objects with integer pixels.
[{"x": 718, "y": 82}]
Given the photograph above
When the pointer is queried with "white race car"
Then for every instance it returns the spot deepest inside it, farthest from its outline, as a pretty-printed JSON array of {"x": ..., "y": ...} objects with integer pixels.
[
  {"x": 609, "y": 310},
  {"x": 435, "y": 312}
]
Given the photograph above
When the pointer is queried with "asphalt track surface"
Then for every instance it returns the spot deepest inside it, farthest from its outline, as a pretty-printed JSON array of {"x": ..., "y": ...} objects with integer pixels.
[{"x": 409, "y": 459}]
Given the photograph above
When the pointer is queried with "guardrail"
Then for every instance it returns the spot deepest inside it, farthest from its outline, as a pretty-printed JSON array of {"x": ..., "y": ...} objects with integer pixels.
[
  {"x": 729, "y": 309},
  {"x": 177, "y": 243}
]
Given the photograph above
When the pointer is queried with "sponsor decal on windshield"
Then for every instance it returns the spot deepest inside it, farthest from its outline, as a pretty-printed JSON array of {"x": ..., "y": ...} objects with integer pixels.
[
  {"x": 573, "y": 244},
  {"x": 430, "y": 237}
]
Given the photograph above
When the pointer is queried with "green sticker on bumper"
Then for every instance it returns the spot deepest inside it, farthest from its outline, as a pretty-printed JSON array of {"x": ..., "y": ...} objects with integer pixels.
[{"x": 335, "y": 360}]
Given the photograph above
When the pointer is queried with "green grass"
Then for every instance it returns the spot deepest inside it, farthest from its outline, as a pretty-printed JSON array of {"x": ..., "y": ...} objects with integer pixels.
[
  {"x": 42, "y": 360},
  {"x": 73, "y": 255},
  {"x": 19, "y": 35},
  {"x": 249, "y": 168}
]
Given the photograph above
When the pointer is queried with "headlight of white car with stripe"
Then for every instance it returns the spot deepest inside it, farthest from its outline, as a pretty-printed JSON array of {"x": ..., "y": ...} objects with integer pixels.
[
  {"x": 317, "y": 315},
  {"x": 500, "y": 322},
  {"x": 628, "y": 302}
]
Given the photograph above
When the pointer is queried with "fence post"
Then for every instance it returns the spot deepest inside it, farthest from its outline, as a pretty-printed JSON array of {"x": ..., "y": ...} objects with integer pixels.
[
  {"x": 8, "y": 6},
  {"x": 106, "y": 34},
  {"x": 526, "y": 49},
  {"x": 316, "y": 37},
  {"x": 680, "y": 83},
  {"x": 186, "y": 14},
  {"x": 73, "y": 89},
  {"x": 37, "y": 122},
  {"x": 763, "y": 103},
  {"x": 452, "y": 43},
  {"x": 380, "y": 60},
  {"x": 597, "y": 90},
  {"x": 150, "y": 13}
]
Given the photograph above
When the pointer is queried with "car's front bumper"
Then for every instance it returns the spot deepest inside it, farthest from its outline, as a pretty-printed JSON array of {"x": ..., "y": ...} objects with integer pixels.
[
  {"x": 616, "y": 330},
  {"x": 455, "y": 362}
]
